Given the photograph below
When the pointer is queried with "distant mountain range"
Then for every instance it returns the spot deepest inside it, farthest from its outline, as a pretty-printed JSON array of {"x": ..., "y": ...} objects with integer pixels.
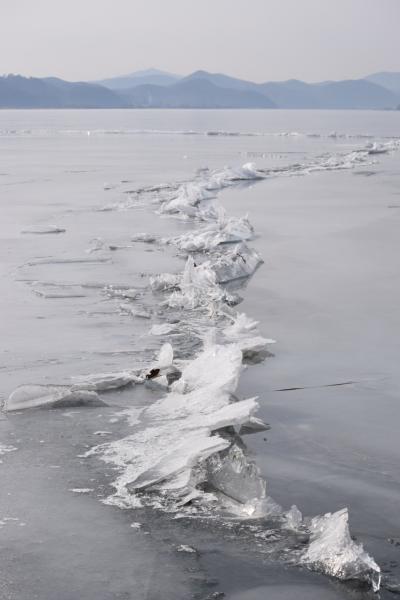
[
  {"x": 158, "y": 89},
  {"x": 50, "y": 92}
]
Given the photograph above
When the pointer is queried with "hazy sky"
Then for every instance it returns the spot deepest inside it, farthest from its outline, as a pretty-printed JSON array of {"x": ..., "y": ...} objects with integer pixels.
[{"x": 254, "y": 39}]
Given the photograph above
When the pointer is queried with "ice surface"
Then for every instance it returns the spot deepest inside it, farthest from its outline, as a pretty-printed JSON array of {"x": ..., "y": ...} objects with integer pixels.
[
  {"x": 241, "y": 325},
  {"x": 129, "y": 293},
  {"x": 100, "y": 382},
  {"x": 43, "y": 229},
  {"x": 195, "y": 199},
  {"x": 224, "y": 230},
  {"x": 162, "y": 329},
  {"x": 374, "y": 148},
  {"x": 202, "y": 397},
  {"x": 332, "y": 551},
  {"x": 61, "y": 294},
  {"x": 185, "y": 548},
  {"x": 244, "y": 332},
  {"x": 223, "y": 178},
  {"x": 165, "y": 357},
  {"x": 382, "y": 148},
  {"x": 95, "y": 245},
  {"x": 254, "y": 349},
  {"x": 236, "y": 262},
  {"x": 197, "y": 287},
  {"x": 66, "y": 261},
  {"x": 162, "y": 455},
  {"x": 5, "y": 450},
  {"x": 293, "y": 518},
  {"x": 253, "y": 425},
  {"x": 147, "y": 238},
  {"x": 164, "y": 281},
  {"x": 134, "y": 311},
  {"x": 178, "y": 431},
  {"x": 217, "y": 365},
  {"x": 187, "y": 199},
  {"x": 50, "y": 396},
  {"x": 232, "y": 473},
  {"x": 185, "y": 442}
]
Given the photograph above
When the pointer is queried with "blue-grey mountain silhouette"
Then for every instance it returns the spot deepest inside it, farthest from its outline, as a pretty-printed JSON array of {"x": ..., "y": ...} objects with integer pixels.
[
  {"x": 387, "y": 79},
  {"x": 201, "y": 89},
  {"x": 51, "y": 92},
  {"x": 195, "y": 93},
  {"x": 149, "y": 76}
]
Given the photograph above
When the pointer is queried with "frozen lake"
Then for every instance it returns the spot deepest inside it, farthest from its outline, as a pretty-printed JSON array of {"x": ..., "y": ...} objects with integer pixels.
[{"x": 324, "y": 201}]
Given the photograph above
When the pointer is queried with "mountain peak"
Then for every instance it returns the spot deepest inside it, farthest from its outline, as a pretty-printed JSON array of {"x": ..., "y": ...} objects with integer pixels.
[
  {"x": 144, "y": 77},
  {"x": 150, "y": 73}
]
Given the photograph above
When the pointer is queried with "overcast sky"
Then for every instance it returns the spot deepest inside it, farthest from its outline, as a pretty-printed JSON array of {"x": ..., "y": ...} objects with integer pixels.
[{"x": 254, "y": 39}]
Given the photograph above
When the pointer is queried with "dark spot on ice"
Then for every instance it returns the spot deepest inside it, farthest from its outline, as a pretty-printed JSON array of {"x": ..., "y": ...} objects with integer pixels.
[
  {"x": 311, "y": 387},
  {"x": 365, "y": 173},
  {"x": 173, "y": 376},
  {"x": 153, "y": 373},
  {"x": 77, "y": 402},
  {"x": 395, "y": 542}
]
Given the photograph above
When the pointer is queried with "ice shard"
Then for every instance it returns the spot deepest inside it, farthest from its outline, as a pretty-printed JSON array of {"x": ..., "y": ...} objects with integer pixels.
[
  {"x": 332, "y": 551},
  {"x": 50, "y": 396}
]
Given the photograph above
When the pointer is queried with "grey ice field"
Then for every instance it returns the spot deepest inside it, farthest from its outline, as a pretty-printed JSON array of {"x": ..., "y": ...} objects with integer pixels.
[{"x": 114, "y": 486}]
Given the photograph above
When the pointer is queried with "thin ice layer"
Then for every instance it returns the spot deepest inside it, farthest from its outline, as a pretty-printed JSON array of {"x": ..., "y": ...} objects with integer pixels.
[
  {"x": 217, "y": 365},
  {"x": 45, "y": 229},
  {"x": 50, "y": 396},
  {"x": 162, "y": 329},
  {"x": 100, "y": 382}
]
